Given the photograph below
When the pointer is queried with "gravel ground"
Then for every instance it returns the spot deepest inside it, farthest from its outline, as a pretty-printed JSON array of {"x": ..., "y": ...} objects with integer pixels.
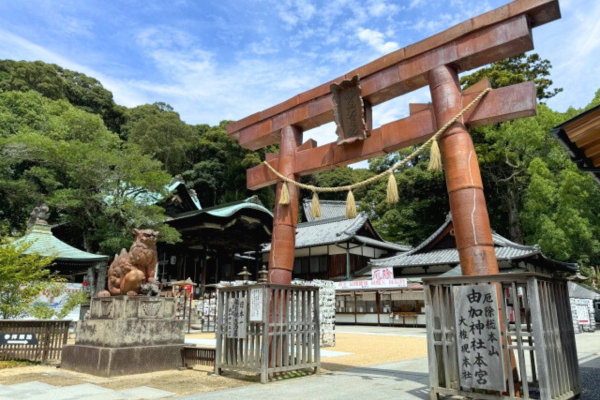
[
  {"x": 590, "y": 379},
  {"x": 366, "y": 348},
  {"x": 182, "y": 383}
]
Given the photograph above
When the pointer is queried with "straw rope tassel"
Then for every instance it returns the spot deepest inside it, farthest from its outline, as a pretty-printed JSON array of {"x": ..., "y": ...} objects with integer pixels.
[
  {"x": 350, "y": 206},
  {"x": 392, "y": 190},
  {"x": 315, "y": 209},
  {"x": 284, "y": 197},
  {"x": 435, "y": 157}
]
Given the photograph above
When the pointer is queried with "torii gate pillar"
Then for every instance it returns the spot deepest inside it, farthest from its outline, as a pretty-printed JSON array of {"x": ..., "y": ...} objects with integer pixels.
[
  {"x": 285, "y": 217},
  {"x": 463, "y": 178}
]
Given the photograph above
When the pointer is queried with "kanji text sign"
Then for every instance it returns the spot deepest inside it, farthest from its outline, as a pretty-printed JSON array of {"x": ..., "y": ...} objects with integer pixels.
[
  {"x": 478, "y": 339},
  {"x": 256, "y": 305},
  {"x": 236, "y": 318},
  {"x": 18, "y": 338}
]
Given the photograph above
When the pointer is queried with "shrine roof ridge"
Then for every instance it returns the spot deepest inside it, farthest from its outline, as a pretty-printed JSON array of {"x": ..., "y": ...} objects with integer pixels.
[{"x": 537, "y": 12}]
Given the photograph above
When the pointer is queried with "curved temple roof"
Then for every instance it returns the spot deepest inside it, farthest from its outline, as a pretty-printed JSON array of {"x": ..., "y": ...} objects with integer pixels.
[
  {"x": 338, "y": 230},
  {"x": 422, "y": 256},
  {"x": 44, "y": 243}
]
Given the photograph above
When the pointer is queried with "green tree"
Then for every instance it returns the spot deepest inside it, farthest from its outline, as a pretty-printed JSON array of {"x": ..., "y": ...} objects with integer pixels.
[
  {"x": 57, "y": 83},
  {"x": 423, "y": 200},
  {"x": 517, "y": 69},
  {"x": 22, "y": 278},
  {"x": 217, "y": 167},
  {"x": 160, "y": 133},
  {"x": 100, "y": 186}
]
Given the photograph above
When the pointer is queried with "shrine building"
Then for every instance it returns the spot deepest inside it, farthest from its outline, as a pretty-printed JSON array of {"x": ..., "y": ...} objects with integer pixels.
[
  {"x": 438, "y": 256},
  {"x": 335, "y": 247},
  {"x": 213, "y": 239}
]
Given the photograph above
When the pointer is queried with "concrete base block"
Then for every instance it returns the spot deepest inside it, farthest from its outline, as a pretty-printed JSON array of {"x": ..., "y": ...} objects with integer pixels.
[{"x": 115, "y": 361}]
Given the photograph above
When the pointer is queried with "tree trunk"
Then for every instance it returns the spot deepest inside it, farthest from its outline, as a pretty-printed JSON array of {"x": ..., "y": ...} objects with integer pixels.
[
  {"x": 86, "y": 244},
  {"x": 516, "y": 235}
]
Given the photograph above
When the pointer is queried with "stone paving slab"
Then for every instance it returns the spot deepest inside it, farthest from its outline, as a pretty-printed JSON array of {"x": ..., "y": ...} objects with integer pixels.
[
  {"x": 76, "y": 392},
  {"x": 403, "y": 380},
  {"x": 105, "y": 396},
  {"x": 38, "y": 390},
  {"x": 25, "y": 390},
  {"x": 145, "y": 392}
]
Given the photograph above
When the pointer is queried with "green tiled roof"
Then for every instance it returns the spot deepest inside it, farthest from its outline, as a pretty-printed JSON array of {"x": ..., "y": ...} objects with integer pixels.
[
  {"x": 228, "y": 209},
  {"x": 45, "y": 244}
]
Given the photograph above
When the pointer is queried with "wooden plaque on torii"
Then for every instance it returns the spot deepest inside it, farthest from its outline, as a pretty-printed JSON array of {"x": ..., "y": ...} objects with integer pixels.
[{"x": 436, "y": 62}]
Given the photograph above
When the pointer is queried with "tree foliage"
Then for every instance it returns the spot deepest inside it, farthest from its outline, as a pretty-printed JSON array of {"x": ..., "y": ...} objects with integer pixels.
[
  {"x": 56, "y": 153},
  {"x": 217, "y": 167},
  {"x": 517, "y": 69},
  {"x": 57, "y": 83},
  {"x": 161, "y": 134}
]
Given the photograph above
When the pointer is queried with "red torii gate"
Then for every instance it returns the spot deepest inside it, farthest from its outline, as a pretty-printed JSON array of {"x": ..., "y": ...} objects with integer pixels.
[{"x": 435, "y": 61}]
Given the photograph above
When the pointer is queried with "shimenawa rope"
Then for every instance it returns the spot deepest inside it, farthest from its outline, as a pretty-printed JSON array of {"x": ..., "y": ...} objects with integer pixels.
[{"x": 435, "y": 164}]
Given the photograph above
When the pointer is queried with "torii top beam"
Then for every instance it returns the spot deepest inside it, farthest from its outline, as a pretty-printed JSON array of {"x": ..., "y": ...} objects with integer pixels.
[{"x": 495, "y": 35}]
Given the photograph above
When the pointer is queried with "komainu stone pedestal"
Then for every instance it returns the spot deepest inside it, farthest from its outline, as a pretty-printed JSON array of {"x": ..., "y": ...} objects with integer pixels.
[{"x": 127, "y": 335}]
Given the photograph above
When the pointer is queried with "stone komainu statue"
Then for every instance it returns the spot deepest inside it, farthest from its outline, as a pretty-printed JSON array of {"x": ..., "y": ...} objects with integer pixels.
[{"x": 133, "y": 272}]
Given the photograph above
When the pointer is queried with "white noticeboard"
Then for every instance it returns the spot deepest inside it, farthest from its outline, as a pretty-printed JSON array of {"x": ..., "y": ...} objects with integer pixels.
[
  {"x": 256, "y": 305},
  {"x": 583, "y": 314},
  {"x": 236, "y": 318}
]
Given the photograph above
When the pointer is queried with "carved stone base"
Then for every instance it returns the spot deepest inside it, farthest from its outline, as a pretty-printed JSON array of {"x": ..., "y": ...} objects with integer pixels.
[
  {"x": 115, "y": 361},
  {"x": 127, "y": 335},
  {"x": 130, "y": 332}
]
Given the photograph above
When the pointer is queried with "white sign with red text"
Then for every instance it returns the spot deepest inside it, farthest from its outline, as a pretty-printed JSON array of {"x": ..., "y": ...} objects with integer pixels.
[{"x": 372, "y": 284}]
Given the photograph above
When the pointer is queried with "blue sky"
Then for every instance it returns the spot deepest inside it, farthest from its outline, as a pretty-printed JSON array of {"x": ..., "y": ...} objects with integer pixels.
[{"x": 215, "y": 60}]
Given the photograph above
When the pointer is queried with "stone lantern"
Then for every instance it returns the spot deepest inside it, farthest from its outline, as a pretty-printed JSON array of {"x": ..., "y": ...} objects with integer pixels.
[
  {"x": 262, "y": 274},
  {"x": 245, "y": 274}
]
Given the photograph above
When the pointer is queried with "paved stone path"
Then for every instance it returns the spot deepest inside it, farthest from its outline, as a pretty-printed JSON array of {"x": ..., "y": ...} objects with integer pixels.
[
  {"x": 403, "y": 380},
  {"x": 38, "y": 390},
  {"x": 399, "y": 380}
]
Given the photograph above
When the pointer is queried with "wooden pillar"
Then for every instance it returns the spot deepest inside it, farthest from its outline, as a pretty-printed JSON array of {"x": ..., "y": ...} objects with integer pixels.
[
  {"x": 285, "y": 217},
  {"x": 463, "y": 178},
  {"x": 204, "y": 268}
]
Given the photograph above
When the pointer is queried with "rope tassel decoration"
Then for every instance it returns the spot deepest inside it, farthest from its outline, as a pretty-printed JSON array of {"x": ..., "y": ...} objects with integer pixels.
[
  {"x": 284, "y": 197},
  {"x": 392, "y": 190},
  {"x": 315, "y": 209},
  {"x": 350, "y": 205},
  {"x": 435, "y": 157}
]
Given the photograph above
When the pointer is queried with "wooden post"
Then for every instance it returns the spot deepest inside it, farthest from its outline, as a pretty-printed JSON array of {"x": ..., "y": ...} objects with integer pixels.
[
  {"x": 463, "y": 178},
  {"x": 285, "y": 217}
]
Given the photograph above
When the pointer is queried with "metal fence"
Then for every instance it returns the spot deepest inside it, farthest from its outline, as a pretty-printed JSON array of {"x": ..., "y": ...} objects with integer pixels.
[
  {"x": 285, "y": 339},
  {"x": 40, "y": 340},
  {"x": 538, "y": 341}
]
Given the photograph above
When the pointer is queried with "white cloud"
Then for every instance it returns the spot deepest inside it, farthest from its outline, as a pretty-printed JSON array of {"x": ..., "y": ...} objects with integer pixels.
[
  {"x": 380, "y": 8},
  {"x": 376, "y": 40},
  {"x": 162, "y": 36},
  {"x": 264, "y": 47},
  {"x": 292, "y": 12},
  {"x": 415, "y": 3}
]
